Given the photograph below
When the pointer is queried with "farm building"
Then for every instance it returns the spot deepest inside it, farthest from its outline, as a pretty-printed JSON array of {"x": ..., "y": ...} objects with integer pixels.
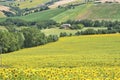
[{"x": 65, "y": 26}]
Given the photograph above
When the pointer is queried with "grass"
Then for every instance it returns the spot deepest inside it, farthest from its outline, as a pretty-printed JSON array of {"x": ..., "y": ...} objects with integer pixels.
[
  {"x": 1, "y": 15},
  {"x": 105, "y": 11},
  {"x": 86, "y": 11},
  {"x": 2, "y": 28},
  {"x": 96, "y": 50},
  {"x": 44, "y": 15},
  {"x": 72, "y": 14},
  {"x": 57, "y": 31},
  {"x": 91, "y": 57},
  {"x": 34, "y": 3},
  {"x": 59, "y": 15}
]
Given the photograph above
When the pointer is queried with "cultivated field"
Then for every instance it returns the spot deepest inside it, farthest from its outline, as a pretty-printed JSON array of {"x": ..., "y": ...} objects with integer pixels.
[
  {"x": 44, "y": 15},
  {"x": 62, "y": 2},
  {"x": 95, "y": 57},
  {"x": 104, "y": 12},
  {"x": 74, "y": 14}
]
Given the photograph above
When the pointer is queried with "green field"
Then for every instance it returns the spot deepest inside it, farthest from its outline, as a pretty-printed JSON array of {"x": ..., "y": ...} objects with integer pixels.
[
  {"x": 72, "y": 14},
  {"x": 44, "y": 15},
  {"x": 86, "y": 11},
  {"x": 92, "y": 57},
  {"x": 59, "y": 15},
  {"x": 96, "y": 50},
  {"x": 105, "y": 11},
  {"x": 34, "y": 3}
]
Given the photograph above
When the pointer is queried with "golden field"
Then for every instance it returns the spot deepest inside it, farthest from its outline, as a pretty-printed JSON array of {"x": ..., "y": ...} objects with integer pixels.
[{"x": 92, "y": 57}]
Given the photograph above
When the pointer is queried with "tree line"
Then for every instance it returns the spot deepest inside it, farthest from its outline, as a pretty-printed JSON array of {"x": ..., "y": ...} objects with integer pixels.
[
  {"x": 14, "y": 40},
  {"x": 96, "y": 23},
  {"x": 19, "y": 22}
]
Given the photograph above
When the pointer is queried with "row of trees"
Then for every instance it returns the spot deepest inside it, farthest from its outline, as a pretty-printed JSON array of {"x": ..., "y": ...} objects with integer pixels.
[
  {"x": 100, "y": 31},
  {"x": 90, "y": 31},
  {"x": 19, "y": 22},
  {"x": 12, "y": 41},
  {"x": 78, "y": 24},
  {"x": 96, "y": 23}
]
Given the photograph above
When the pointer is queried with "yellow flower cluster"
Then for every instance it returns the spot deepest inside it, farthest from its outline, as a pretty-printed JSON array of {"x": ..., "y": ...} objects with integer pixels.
[{"x": 81, "y": 73}]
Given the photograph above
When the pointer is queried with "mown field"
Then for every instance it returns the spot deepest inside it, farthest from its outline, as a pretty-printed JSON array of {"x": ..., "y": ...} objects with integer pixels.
[
  {"x": 72, "y": 14},
  {"x": 105, "y": 11},
  {"x": 44, "y": 15},
  {"x": 92, "y": 57}
]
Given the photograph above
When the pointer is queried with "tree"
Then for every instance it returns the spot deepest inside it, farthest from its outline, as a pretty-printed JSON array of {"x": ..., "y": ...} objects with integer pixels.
[
  {"x": 89, "y": 31},
  {"x": 33, "y": 37}
]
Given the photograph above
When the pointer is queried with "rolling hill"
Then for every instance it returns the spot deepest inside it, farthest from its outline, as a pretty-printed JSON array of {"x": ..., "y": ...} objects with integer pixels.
[
  {"x": 104, "y": 11},
  {"x": 95, "y": 50},
  {"x": 85, "y": 11}
]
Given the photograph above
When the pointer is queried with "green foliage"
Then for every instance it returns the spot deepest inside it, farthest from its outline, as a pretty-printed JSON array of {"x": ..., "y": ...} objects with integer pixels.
[
  {"x": 45, "y": 24},
  {"x": 33, "y": 37},
  {"x": 10, "y": 41},
  {"x": 89, "y": 31},
  {"x": 63, "y": 34}
]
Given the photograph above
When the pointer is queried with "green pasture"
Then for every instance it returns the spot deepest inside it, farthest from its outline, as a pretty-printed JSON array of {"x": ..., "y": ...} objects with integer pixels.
[
  {"x": 105, "y": 11},
  {"x": 44, "y": 15},
  {"x": 73, "y": 14}
]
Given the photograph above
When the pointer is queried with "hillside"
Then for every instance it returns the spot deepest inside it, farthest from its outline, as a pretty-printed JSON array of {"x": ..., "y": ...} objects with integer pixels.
[
  {"x": 104, "y": 11},
  {"x": 85, "y": 11},
  {"x": 95, "y": 50},
  {"x": 44, "y": 15}
]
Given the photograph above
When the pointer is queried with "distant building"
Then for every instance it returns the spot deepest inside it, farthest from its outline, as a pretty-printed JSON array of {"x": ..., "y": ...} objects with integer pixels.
[{"x": 65, "y": 26}]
